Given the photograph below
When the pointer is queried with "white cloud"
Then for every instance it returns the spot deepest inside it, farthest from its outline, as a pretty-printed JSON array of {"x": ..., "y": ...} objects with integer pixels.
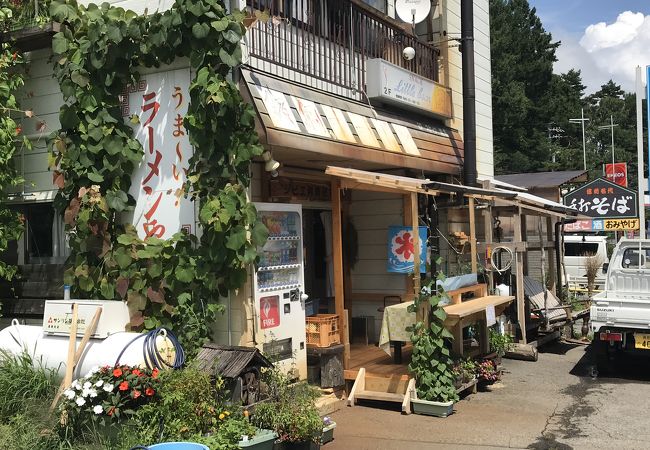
[
  {"x": 601, "y": 35},
  {"x": 611, "y": 51}
]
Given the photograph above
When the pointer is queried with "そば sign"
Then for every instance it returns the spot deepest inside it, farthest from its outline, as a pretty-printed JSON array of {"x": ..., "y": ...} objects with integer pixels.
[{"x": 602, "y": 199}]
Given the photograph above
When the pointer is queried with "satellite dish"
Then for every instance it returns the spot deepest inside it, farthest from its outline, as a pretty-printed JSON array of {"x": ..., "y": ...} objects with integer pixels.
[{"x": 413, "y": 11}]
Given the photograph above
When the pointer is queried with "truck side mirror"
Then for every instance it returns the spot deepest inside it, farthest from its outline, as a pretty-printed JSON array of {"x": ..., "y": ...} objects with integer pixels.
[{"x": 605, "y": 267}]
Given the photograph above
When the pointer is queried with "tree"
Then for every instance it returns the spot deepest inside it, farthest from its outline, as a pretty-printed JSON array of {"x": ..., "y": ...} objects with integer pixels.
[{"x": 522, "y": 75}]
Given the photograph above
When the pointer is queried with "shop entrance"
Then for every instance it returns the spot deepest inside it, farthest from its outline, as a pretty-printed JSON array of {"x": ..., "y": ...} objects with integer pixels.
[{"x": 317, "y": 251}]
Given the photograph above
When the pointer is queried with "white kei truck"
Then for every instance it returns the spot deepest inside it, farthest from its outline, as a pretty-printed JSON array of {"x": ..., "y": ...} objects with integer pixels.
[{"x": 620, "y": 315}]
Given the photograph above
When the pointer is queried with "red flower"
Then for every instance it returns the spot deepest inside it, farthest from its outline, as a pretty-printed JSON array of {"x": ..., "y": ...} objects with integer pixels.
[
  {"x": 154, "y": 373},
  {"x": 149, "y": 392},
  {"x": 111, "y": 410},
  {"x": 124, "y": 385},
  {"x": 19, "y": 130},
  {"x": 15, "y": 55},
  {"x": 136, "y": 372},
  {"x": 136, "y": 393},
  {"x": 117, "y": 373}
]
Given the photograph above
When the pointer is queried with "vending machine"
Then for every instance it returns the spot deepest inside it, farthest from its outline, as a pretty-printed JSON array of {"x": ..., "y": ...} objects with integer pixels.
[{"x": 278, "y": 281}]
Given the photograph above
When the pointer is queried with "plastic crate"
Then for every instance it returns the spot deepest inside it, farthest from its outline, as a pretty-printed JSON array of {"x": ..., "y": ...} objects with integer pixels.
[{"x": 323, "y": 330}]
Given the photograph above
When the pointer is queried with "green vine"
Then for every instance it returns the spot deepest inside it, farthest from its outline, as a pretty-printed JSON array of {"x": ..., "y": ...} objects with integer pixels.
[
  {"x": 431, "y": 361},
  {"x": 11, "y": 79},
  {"x": 176, "y": 282}
]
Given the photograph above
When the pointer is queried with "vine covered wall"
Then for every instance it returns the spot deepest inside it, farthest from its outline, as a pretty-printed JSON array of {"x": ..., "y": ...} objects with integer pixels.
[
  {"x": 176, "y": 282},
  {"x": 11, "y": 80}
]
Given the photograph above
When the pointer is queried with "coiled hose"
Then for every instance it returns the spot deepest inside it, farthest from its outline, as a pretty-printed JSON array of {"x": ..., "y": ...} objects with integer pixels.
[{"x": 152, "y": 357}]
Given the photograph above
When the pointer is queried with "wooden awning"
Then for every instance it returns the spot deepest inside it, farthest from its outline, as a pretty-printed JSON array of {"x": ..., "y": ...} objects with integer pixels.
[{"x": 303, "y": 125}]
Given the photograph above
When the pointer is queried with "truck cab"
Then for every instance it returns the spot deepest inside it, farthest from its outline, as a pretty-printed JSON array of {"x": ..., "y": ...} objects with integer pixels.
[
  {"x": 620, "y": 315},
  {"x": 577, "y": 250}
]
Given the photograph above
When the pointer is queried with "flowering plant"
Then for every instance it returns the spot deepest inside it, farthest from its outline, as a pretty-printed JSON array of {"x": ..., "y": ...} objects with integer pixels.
[
  {"x": 107, "y": 393},
  {"x": 487, "y": 371}
]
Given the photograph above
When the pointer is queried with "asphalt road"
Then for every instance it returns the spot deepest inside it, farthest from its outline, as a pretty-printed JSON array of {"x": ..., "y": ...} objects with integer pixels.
[{"x": 553, "y": 403}]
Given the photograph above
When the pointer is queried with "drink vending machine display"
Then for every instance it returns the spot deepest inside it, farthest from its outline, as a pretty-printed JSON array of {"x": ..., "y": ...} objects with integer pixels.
[{"x": 279, "y": 288}]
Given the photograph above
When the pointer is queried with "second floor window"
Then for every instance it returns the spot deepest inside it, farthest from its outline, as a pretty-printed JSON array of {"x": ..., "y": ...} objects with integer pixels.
[{"x": 377, "y": 4}]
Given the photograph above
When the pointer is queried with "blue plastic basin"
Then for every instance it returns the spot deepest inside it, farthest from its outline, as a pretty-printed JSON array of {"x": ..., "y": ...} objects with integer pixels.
[{"x": 178, "y": 446}]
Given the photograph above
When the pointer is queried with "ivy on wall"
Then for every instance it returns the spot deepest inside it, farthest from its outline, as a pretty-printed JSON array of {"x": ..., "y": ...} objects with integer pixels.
[
  {"x": 176, "y": 282},
  {"x": 11, "y": 79}
]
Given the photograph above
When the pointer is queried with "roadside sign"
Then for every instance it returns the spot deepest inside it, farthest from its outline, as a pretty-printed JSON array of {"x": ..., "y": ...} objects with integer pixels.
[
  {"x": 602, "y": 199},
  {"x": 617, "y": 173}
]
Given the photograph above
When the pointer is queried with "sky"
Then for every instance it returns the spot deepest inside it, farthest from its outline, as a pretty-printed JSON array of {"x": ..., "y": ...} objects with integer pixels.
[{"x": 604, "y": 39}]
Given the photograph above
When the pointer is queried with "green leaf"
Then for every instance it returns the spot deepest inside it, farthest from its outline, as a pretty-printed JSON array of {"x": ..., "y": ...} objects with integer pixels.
[
  {"x": 95, "y": 177},
  {"x": 80, "y": 79},
  {"x": 184, "y": 274},
  {"x": 227, "y": 58},
  {"x": 220, "y": 25},
  {"x": 59, "y": 43},
  {"x": 68, "y": 117},
  {"x": 107, "y": 289},
  {"x": 136, "y": 301},
  {"x": 200, "y": 30},
  {"x": 236, "y": 239},
  {"x": 231, "y": 36},
  {"x": 122, "y": 257},
  {"x": 440, "y": 314},
  {"x": 116, "y": 200}
]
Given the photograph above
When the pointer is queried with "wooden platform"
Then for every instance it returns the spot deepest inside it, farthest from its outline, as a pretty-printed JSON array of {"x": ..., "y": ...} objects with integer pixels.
[{"x": 376, "y": 362}]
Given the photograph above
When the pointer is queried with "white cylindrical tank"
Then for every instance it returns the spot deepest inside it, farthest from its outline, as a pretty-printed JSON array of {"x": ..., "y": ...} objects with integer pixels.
[{"x": 52, "y": 351}]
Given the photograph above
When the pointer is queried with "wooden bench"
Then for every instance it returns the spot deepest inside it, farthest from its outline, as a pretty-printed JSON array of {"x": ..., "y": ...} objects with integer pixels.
[{"x": 463, "y": 313}]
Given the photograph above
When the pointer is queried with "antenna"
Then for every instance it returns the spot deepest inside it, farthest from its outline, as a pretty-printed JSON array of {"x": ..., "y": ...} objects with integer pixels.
[{"x": 413, "y": 11}]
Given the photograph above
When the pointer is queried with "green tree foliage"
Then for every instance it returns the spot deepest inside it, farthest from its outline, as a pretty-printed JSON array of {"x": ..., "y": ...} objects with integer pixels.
[{"x": 522, "y": 64}]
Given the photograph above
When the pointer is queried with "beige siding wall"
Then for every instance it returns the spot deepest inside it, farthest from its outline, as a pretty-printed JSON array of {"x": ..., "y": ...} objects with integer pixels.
[
  {"x": 451, "y": 57},
  {"x": 372, "y": 213}
]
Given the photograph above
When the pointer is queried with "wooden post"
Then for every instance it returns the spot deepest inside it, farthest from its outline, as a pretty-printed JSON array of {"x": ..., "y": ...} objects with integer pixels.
[
  {"x": 72, "y": 343},
  {"x": 408, "y": 222},
  {"x": 519, "y": 270},
  {"x": 337, "y": 265},
  {"x": 422, "y": 313},
  {"x": 487, "y": 226},
  {"x": 550, "y": 226},
  {"x": 472, "y": 235}
]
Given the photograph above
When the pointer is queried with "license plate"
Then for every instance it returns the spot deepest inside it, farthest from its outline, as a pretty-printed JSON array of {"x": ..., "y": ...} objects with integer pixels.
[{"x": 642, "y": 340}]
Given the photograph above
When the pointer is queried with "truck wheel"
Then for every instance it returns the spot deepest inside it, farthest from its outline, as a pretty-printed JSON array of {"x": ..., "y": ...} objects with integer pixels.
[{"x": 601, "y": 354}]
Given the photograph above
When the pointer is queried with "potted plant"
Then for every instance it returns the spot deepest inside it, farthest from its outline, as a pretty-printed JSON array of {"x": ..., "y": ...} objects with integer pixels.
[
  {"x": 290, "y": 412},
  {"x": 431, "y": 362},
  {"x": 464, "y": 371},
  {"x": 499, "y": 344},
  {"x": 487, "y": 372},
  {"x": 328, "y": 430},
  {"x": 262, "y": 440}
]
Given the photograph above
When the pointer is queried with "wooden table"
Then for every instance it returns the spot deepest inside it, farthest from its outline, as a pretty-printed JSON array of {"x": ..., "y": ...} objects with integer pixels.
[
  {"x": 459, "y": 315},
  {"x": 465, "y": 313}
]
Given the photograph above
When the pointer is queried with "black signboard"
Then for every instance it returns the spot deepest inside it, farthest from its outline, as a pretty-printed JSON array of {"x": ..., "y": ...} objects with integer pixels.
[{"x": 603, "y": 199}]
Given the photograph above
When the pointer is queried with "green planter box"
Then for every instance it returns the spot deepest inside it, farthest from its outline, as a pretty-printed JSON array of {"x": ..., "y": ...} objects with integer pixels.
[
  {"x": 328, "y": 433},
  {"x": 263, "y": 440},
  {"x": 427, "y": 408}
]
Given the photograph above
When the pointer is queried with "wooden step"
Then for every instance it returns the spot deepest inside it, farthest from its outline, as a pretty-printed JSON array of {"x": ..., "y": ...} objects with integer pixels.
[{"x": 382, "y": 389}]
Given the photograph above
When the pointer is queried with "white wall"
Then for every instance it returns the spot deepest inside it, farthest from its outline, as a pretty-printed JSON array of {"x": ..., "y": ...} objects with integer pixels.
[{"x": 453, "y": 78}]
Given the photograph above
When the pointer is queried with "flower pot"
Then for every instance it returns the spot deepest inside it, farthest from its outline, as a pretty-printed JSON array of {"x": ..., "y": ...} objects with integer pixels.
[
  {"x": 263, "y": 440},
  {"x": 303, "y": 445},
  {"x": 328, "y": 433},
  {"x": 429, "y": 408},
  {"x": 178, "y": 446}
]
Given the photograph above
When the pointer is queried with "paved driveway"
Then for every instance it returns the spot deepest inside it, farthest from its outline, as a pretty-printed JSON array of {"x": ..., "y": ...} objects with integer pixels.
[{"x": 553, "y": 403}]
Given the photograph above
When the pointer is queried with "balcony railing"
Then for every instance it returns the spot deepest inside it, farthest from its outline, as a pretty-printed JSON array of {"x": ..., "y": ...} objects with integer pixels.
[
  {"x": 21, "y": 14},
  {"x": 329, "y": 41}
]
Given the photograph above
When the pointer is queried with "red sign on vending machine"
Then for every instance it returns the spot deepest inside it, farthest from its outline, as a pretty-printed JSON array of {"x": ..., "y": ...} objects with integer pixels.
[
  {"x": 269, "y": 312},
  {"x": 617, "y": 173}
]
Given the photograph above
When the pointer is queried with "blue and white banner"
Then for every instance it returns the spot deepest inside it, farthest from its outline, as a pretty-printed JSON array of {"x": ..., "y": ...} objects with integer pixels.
[{"x": 401, "y": 249}]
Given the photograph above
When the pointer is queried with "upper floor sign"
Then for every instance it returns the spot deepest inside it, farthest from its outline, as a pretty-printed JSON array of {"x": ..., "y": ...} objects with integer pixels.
[{"x": 392, "y": 84}]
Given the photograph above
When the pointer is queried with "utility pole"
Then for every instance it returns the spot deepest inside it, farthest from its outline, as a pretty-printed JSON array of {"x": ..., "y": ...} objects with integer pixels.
[
  {"x": 582, "y": 120},
  {"x": 611, "y": 126},
  {"x": 639, "y": 148}
]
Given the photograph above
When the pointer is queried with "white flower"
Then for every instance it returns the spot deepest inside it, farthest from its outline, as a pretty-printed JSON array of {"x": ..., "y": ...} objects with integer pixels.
[
  {"x": 69, "y": 394},
  {"x": 85, "y": 392},
  {"x": 93, "y": 393},
  {"x": 87, "y": 385},
  {"x": 108, "y": 387},
  {"x": 99, "y": 383},
  {"x": 98, "y": 409},
  {"x": 75, "y": 385},
  {"x": 80, "y": 401}
]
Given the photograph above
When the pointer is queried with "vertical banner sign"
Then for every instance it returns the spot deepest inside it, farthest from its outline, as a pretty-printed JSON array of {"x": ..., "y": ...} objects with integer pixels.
[
  {"x": 160, "y": 101},
  {"x": 401, "y": 249},
  {"x": 616, "y": 173}
]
